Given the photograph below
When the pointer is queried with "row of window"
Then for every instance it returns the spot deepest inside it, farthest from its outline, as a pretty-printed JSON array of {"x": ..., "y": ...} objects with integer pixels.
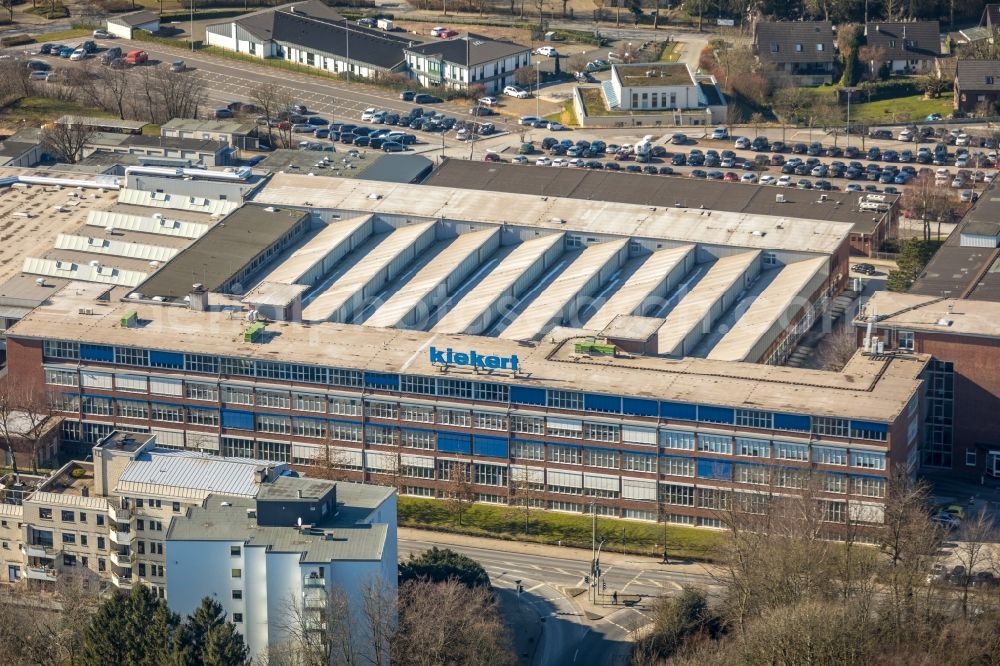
[{"x": 460, "y": 389}]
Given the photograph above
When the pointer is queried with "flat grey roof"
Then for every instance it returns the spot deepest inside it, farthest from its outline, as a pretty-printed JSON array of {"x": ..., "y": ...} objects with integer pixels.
[
  {"x": 956, "y": 270},
  {"x": 607, "y": 211},
  {"x": 227, "y": 518},
  {"x": 223, "y": 251},
  {"x": 188, "y": 473},
  {"x": 667, "y": 191}
]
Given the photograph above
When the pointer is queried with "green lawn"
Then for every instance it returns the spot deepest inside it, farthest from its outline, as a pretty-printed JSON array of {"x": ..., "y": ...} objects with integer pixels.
[
  {"x": 55, "y": 37},
  {"x": 39, "y": 110},
  {"x": 902, "y": 109},
  {"x": 593, "y": 102},
  {"x": 552, "y": 528},
  {"x": 671, "y": 53}
]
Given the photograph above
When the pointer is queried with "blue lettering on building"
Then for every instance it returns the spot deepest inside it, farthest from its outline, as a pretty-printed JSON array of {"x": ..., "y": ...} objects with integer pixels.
[{"x": 473, "y": 359}]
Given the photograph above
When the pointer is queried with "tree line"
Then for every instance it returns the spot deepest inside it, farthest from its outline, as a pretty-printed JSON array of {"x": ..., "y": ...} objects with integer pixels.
[{"x": 791, "y": 595}]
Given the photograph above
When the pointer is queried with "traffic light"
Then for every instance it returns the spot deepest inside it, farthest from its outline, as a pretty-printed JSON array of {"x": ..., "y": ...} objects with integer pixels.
[
  {"x": 604, "y": 586},
  {"x": 586, "y": 579}
]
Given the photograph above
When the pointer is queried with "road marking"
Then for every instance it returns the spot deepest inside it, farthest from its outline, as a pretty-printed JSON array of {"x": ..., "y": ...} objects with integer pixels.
[{"x": 532, "y": 589}]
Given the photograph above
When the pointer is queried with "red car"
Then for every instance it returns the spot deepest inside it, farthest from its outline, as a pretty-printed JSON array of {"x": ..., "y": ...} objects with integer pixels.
[{"x": 731, "y": 177}]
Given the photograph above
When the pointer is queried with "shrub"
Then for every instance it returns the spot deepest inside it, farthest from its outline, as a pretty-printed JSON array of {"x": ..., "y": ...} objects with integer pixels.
[{"x": 78, "y": 473}]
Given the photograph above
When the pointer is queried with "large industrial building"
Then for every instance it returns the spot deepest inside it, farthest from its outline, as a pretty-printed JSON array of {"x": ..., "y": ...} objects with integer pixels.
[{"x": 542, "y": 351}]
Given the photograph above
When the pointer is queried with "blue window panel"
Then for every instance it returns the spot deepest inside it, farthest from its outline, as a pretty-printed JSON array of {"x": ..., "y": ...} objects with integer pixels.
[
  {"x": 715, "y": 414},
  {"x": 485, "y": 445},
  {"x": 454, "y": 442},
  {"x": 237, "y": 418},
  {"x": 639, "y": 407},
  {"x": 523, "y": 395},
  {"x": 382, "y": 380},
  {"x": 164, "y": 359},
  {"x": 678, "y": 411},
  {"x": 117, "y": 399},
  {"x": 104, "y": 353},
  {"x": 792, "y": 422},
  {"x": 870, "y": 426},
  {"x": 715, "y": 469},
  {"x": 602, "y": 403}
]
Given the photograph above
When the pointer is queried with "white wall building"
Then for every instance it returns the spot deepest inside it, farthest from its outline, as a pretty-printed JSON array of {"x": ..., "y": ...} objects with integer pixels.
[
  {"x": 273, "y": 561},
  {"x": 468, "y": 60}
]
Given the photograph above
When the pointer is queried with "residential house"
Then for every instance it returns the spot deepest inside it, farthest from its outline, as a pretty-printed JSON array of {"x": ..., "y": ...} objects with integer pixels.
[
  {"x": 991, "y": 17},
  {"x": 465, "y": 61},
  {"x": 907, "y": 48},
  {"x": 803, "y": 51},
  {"x": 977, "y": 85}
]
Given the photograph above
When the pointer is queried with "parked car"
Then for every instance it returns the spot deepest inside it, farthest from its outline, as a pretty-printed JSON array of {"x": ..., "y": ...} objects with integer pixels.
[
  {"x": 482, "y": 111},
  {"x": 137, "y": 57},
  {"x": 78, "y": 54},
  {"x": 720, "y": 133},
  {"x": 678, "y": 139},
  {"x": 178, "y": 66},
  {"x": 222, "y": 113},
  {"x": 515, "y": 91},
  {"x": 111, "y": 54},
  {"x": 489, "y": 100},
  {"x": 424, "y": 98},
  {"x": 66, "y": 51},
  {"x": 39, "y": 75},
  {"x": 103, "y": 34},
  {"x": 548, "y": 51},
  {"x": 865, "y": 269},
  {"x": 528, "y": 120}
]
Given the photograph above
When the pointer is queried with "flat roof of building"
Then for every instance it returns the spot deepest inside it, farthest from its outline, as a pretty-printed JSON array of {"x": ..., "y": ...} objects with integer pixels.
[
  {"x": 368, "y": 165},
  {"x": 223, "y": 251},
  {"x": 868, "y": 388},
  {"x": 654, "y": 74},
  {"x": 933, "y": 314},
  {"x": 455, "y": 201},
  {"x": 202, "y": 125},
  {"x": 339, "y": 537},
  {"x": 102, "y": 121},
  {"x": 958, "y": 270},
  {"x": 189, "y": 474},
  {"x": 800, "y": 207}
]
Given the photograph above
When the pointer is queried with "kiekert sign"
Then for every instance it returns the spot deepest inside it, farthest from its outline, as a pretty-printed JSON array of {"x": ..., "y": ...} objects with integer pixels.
[{"x": 473, "y": 359}]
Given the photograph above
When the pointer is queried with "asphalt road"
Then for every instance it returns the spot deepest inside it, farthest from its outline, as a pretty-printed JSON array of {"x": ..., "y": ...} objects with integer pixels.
[{"x": 568, "y": 637}]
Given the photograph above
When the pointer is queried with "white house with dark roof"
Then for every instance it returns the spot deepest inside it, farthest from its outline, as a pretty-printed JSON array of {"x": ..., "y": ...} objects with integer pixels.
[
  {"x": 467, "y": 60},
  {"x": 125, "y": 25},
  {"x": 312, "y": 34},
  {"x": 908, "y": 47}
]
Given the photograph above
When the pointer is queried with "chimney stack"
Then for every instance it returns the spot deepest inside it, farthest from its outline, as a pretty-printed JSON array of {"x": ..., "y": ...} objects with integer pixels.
[{"x": 198, "y": 298}]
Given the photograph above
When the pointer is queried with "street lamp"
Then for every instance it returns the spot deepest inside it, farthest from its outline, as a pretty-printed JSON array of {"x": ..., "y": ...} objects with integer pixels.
[
  {"x": 538, "y": 84},
  {"x": 191, "y": 30}
]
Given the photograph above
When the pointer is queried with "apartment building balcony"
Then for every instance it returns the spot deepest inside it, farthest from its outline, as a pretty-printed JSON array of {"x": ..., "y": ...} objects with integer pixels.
[
  {"x": 118, "y": 514},
  {"x": 314, "y": 600},
  {"x": 40, "y": 573},
  {"x": 123, "y": 582},
  {"x": 122, "y": 559},
  {"x": 40, "y": 550},
  {"x": 313, "y": 582},
  {"x": 119, "y": 537}
]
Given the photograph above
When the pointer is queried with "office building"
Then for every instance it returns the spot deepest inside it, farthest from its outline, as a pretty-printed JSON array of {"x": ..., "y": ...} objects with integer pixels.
[{"x": 613, "y": 354}]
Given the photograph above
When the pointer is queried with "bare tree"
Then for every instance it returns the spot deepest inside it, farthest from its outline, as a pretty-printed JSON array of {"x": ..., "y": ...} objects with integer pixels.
[
  {"x": 459, "y": 489},
  {"x": 165, "y": 94},
  {"x": 25, "y": 410},
  {"x": 449, "y": 623},
  {"x": 837, "y": 348},
  {"x": 379, "y": 611},
  {"x": 67, "y": 140},
  {"x": 974, "y": 537},
  {"x": 117, "y": 88},
  {"x": 524, "y": 493},
  {"x": 929, "y": 201},
  {"x": 272, "y": 100}
]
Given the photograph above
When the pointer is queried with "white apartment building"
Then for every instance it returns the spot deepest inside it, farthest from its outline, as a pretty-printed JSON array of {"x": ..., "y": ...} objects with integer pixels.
[{"x": 249, "y": 533}]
